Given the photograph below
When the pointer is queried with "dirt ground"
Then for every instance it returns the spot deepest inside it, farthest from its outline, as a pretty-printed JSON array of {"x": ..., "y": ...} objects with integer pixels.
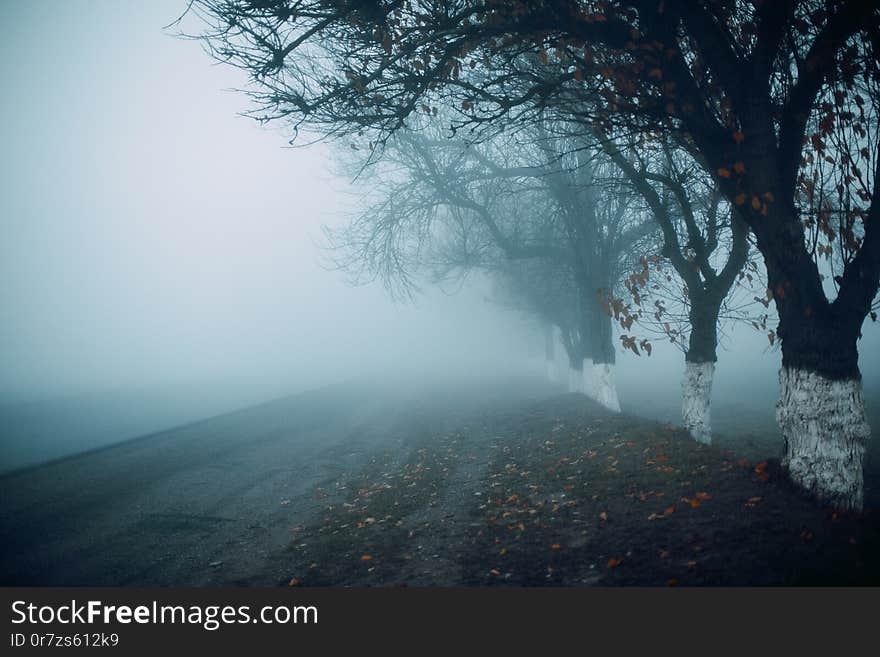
[{"x": 440, "y": 486}]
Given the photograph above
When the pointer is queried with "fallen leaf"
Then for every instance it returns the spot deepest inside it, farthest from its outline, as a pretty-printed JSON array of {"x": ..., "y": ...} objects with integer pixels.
[
  {"x": 495, "y": 572},
  {"x": 556, "y": 546},
  {"x": 672, "y": 582},
  {"x": 613, "y": 563},
  {"x": 293, "y": 581},
  {"x": 366, "y": 557},
  {"x": 703, "y": 496},
  {"x": 603, "y": 516}
]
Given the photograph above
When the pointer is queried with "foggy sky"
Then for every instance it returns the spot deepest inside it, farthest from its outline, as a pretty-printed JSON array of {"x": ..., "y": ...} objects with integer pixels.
[{"x": 150, "y": 236}]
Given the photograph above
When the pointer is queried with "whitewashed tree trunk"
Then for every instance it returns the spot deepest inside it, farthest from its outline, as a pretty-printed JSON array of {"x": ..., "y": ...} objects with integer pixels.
[
  {"x": 604, "y": 388},
  {"x": 696, "y": 395},
  {"x": 588, "y": 386},
  {"x": 575, "y": 380},
  {"x": 825, "y": 432}
]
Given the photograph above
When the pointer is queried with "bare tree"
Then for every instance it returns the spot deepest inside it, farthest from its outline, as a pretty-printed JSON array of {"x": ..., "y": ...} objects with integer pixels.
[
  {"x": 707, "y": 246},
  {"x": 740, "y": 82}
]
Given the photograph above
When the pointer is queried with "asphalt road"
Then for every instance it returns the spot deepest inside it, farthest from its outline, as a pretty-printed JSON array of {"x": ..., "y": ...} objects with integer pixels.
[{"x": 212, "y": 502}]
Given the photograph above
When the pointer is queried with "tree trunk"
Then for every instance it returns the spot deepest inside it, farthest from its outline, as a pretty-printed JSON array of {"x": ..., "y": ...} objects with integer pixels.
[
  {"x": 604, "y": 388},
  {"x": 696, "y": 395},
  {"x": 820, "y": 411},
  {"x": 588, "y": 385},
  {"x": 572, "y": 344},
  {"x": 699, "y": 366},
  {"x": 824, "y": 428}
]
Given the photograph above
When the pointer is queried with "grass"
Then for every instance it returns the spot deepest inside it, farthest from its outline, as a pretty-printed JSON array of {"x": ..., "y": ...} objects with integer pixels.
[{"x": 563, "y": 493}]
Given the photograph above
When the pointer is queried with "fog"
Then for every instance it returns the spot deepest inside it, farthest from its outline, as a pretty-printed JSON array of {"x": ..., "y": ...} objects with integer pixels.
[{"x": 160, "y": 255}]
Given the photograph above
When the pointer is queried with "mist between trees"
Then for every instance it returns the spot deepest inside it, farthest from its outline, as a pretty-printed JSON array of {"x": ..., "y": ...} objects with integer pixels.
[{"x": 626, "y": 172}]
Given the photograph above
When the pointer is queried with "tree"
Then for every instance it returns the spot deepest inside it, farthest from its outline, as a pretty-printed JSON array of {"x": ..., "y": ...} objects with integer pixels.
[
  {"x": 706, "y": 245},
  {"x": 740, "y": 83},
  {"x": 533, "y": 196},
  {"x": 605, "y": 235},
  {"x": 435, "y": 210}
]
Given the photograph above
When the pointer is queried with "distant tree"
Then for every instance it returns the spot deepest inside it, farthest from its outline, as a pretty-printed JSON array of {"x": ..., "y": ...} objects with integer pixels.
[
  {"x": 605, "y": 235},
  {"x": 434, "y": 212},
  {"x": 760, "y": 90},
  {"x": 545, "y": 289},
  {"x": 535, "y": 196}
]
